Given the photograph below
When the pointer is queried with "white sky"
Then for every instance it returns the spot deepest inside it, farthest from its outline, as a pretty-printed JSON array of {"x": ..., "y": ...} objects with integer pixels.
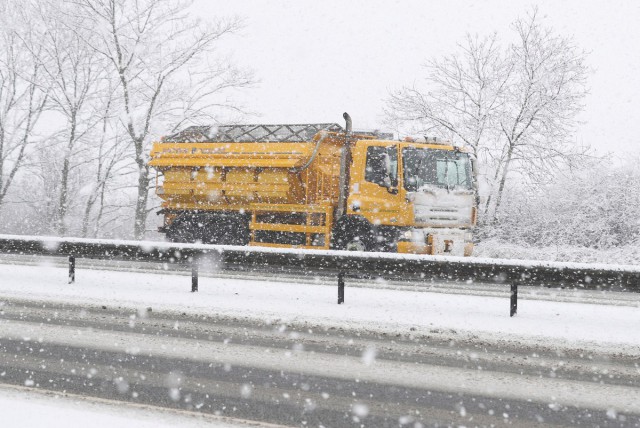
[{"x": 316, "y": 59}]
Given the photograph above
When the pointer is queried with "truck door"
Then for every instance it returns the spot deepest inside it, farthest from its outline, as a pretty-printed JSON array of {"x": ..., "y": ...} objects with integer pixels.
[{"x": 376, "y": 196}]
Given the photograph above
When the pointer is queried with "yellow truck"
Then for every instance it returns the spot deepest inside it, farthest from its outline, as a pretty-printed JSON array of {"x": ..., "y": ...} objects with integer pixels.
[{"x": 315, "y": 186}]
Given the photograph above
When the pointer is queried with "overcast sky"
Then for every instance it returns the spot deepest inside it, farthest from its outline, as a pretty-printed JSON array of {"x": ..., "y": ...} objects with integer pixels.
[{"x": 316, "y": 59}]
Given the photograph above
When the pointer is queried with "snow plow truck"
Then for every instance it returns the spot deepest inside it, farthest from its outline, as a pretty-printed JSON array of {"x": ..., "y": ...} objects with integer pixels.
[{"x": 317, "y": 186}]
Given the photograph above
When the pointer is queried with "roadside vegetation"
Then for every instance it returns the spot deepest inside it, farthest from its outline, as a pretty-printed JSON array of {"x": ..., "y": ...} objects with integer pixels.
[{"x": 515, "y": 99}]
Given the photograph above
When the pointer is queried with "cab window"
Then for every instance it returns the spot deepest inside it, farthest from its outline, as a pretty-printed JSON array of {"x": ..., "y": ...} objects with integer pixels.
[{"x": 382, "y": 166}]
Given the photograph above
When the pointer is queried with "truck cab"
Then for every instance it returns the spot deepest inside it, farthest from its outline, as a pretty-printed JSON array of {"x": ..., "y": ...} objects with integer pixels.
[{"x": 411, "y": 197}]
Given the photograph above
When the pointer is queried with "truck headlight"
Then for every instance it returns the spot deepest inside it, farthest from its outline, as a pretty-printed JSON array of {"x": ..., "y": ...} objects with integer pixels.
[
  {"x": 468, "y": 237},
  {"x": 407, "y": 235}
]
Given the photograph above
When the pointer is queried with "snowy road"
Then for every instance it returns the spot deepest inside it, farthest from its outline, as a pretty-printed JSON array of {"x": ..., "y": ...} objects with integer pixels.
[
  {"x": 296, "y": 377},
  {"x": 324, "y": 278},
  {"x": 283, "y": 352}
]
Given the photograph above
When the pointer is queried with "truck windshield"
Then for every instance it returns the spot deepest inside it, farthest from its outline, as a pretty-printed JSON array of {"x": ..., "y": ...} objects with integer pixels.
[{"x": 439, "y": 168}]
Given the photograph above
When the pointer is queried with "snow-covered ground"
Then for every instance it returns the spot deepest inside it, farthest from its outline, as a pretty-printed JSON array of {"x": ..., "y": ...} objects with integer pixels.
[
  {"x": 540, "y": 323},
  {"x": 498, "y": 249},
  {"x": 22, "y": 407},
  {"x": 457, "y": 317}
]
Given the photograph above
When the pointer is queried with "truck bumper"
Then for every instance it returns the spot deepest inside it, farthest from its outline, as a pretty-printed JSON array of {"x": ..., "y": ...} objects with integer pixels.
[
  {"x": 407, "y": 247},
  {"x": 450, "y": 242}
]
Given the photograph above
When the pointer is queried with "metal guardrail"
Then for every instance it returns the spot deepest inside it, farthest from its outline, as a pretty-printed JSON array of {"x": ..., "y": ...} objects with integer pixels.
[{"x": 343, "y": 264}]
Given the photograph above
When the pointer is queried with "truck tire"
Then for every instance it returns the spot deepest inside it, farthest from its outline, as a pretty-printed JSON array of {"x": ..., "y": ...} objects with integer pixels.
[
  {"x": 354, "y": 236},
  {"x": 226, "y": 229},
  {"x": 186, "y": 228},
  {"x": 210, "y": 228}
]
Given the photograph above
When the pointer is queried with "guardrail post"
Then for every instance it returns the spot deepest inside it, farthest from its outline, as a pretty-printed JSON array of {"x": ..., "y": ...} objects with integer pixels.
[
  {"x": 194, "y": 274},
  {"x": 340, "y": 287},
  {"x": 72, "y": 269},
  {"x": 514, "y": 298}
]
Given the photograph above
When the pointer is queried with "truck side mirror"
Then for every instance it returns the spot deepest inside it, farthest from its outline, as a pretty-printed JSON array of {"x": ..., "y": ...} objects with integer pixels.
[
  {"x": 387, "y": 182},
  {"x": 390, "y": 175},
  {"x": 411, "y": 184}
]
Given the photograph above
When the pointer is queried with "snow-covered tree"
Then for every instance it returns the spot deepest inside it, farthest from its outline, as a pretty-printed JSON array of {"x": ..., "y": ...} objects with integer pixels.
[
  {"x": 73, "y": 72},
  {"x": 23, "y": 98},
  {"x": 167, "y": 67},
  {"x": 515, "y": 107},
  {"x": 596, "y": 206}
]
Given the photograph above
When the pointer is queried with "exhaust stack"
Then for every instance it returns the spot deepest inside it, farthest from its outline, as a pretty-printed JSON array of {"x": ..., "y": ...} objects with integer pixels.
[
  {"x": 347, "y": 119},
  {"x": 345, "y": 160}
]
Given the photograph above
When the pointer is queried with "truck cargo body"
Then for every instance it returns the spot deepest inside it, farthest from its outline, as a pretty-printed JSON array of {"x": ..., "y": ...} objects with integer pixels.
[{"x": 280, "y": 185}]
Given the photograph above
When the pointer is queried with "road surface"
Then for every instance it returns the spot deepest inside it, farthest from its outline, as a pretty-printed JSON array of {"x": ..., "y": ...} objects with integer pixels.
[{"x": 307, "y": 376}]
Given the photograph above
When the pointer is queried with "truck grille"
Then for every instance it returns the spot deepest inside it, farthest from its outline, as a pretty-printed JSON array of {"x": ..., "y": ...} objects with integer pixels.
[
  {"x": 442, "y": 216},
  {"x": 440, "y": 208}
]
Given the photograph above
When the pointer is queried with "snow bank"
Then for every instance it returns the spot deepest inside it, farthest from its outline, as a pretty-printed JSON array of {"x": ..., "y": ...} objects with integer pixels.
[
  {"x": 31, "y": 408},
  {"x": 497, "y": 249},
  {"x": 456, "y": 317}
]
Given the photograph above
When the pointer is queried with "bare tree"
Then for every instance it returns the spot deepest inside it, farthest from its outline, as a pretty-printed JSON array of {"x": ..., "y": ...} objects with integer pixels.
[
  {"x": 158, "y": 53},
  {"x": 75, "y": 71},
  {"x": 110, "y": 160},
  {"x": 542, "y": 100},
  {"x": 22, "y": 101},
  {"x": 515, "y": 108},
  {"x": 38, "y": 191},
  {"x": 461, "y": 98}
]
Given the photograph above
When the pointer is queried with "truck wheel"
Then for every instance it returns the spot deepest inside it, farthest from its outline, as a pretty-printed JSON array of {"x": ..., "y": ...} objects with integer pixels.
[
  {"x": 354, "y": 237},
  {"x": 356, "y": 244},
  {"x": 181, "y": 231},
  {"x": 226, "y": 230}
]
